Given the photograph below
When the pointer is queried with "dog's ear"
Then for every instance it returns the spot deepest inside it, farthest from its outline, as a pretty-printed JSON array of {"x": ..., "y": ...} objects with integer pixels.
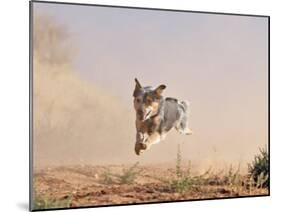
[
  {"x": 138, "y": 85},
  {"x": 159, "y": 90},
  {"x": 137, "y": 88}
]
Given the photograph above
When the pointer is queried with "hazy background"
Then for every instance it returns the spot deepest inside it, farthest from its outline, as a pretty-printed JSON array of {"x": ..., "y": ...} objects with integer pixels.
[{"x": 85, "y": 60}]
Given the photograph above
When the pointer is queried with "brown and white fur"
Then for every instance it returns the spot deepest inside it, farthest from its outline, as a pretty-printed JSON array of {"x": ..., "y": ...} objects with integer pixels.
[{"x": 156, "y": 116}]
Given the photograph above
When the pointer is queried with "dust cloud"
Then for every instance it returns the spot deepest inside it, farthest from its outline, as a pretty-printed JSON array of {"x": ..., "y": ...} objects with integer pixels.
[{"x": 74, "y": 121}]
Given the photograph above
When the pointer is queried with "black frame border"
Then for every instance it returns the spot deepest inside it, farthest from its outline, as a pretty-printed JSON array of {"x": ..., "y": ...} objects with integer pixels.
[{"x": 139, "y": 8}]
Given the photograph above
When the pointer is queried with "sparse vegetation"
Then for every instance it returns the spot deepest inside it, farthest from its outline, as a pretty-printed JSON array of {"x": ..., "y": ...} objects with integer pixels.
[
  {"x": 46, "y": 202},
  {"x": 107, "y": 177},
  {"x": 124, "y": 184},
  {"x": 259, "y": 169},
  {"x": 233, "y": 178},
  {"x": 182, "y": 181},
  {"x": 179, "y": 171},
  {"x": 181, "y": 184},
  {"x": 232, "y": 181},
  {"x": 128, "y": 175}
]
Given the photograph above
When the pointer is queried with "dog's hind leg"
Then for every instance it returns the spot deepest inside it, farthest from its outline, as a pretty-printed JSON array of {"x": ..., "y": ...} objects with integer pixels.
[
  {"x": 182, "y": 125},
  {"x": 183, "y": 128}
]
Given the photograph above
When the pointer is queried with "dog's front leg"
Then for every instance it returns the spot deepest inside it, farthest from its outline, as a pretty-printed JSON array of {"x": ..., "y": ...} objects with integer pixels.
[
  {"x": 141, "y": 142},
  {"x": 154, "y": 138}
]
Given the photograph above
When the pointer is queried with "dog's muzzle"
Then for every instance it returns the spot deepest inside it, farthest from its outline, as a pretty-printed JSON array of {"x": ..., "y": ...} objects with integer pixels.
[
  {"x": 143, "y": 115},
  {"x": 147, "y": 115}
]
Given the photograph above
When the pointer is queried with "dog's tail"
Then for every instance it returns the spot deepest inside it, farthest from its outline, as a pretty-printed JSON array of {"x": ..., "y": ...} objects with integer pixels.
[{"x": 186, "y": 106}]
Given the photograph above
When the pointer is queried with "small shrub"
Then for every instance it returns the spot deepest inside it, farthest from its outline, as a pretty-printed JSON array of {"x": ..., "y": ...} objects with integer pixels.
[
  {"x": 128, "y": 176},
  {"x": 182, "y": 181},
  {"x": 181, "y": 184},
  {"x": 41, "y": 202},
  {"x": 179, "y": 171},
  {"x": 233, "y": 178},
  {"x": 259, "y": 169},
  {"x": 107, "y": 177}
]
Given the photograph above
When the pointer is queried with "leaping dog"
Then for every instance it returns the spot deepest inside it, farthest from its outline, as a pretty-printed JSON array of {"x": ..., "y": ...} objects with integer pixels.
[{"x": 156, "y": 116}]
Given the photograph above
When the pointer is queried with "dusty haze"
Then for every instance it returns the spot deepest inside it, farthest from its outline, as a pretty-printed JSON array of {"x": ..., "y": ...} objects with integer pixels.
[{"x": 85, "y": 60}]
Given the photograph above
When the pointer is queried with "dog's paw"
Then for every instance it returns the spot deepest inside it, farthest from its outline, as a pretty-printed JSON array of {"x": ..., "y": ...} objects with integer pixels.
[
  {"x": 188, "y": 132},
  {"x": 140, "y": 147}
]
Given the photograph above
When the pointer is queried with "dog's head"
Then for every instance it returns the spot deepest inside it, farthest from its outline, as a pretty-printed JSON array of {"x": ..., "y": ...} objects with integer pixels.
[{"x": 147, "y": 100}]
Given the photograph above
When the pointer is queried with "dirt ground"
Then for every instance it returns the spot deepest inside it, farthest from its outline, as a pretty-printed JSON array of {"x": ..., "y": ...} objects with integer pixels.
[{"x": 75, "y": 186}]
